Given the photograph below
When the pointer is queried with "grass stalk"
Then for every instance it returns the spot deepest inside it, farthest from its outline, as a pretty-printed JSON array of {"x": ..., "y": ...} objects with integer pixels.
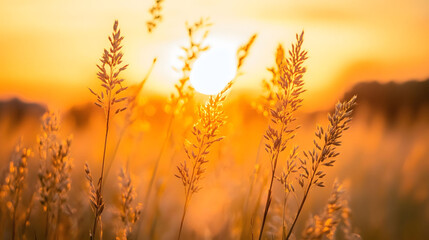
[
  {"x": 100, "y": 181},
  {"x": 290, "y": 86},
  {"x": 338, "y": 123},
  {"x": 112, "y": 85}
]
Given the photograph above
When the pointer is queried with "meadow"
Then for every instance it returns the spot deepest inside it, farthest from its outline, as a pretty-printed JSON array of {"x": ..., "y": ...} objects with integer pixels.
[{"x": 231, "y": 165}]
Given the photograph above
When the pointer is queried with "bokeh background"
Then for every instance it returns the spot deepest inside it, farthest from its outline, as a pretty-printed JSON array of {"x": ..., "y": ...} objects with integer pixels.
[{"x": 376, "y": 49}]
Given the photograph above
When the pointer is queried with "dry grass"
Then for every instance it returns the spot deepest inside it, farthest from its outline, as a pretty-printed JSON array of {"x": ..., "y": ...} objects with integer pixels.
[
  {"x": 54, "y": 174},
  {"x": 156, "y": 17},
  {"x": 205, "y": 131},
  {"x": 336, "y": 212},
  {"x": 130, "y": 116},
  {"x": 13, "y": 187},
  {"x": 184, "y": 92},
  {"x": 282, "y": 115},
  {"x": 324, "y": 154},
  {"x": 281, "y": 101},
  {"x": 129, "y": 214},
  {"x": 109, "y": 101},
  {"x": 197, "y": 35}
]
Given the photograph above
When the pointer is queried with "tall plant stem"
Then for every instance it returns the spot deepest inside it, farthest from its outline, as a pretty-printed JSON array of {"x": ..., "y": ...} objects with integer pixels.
[
  {"x": 284, "y": 215},
  {"x": 185, "y": 208},
  {"x": 47, "y": 224},
  {"x": 100, "y": 181},
  {"x": 128, "y": 123},
  {"x": 158, "y": 159},
  {"x": 154, "y": 172},
  {"x": 274, "y": 166},
  {"x": 305, "y": 195},
  {"x": 15, "y": 207},
  {"x": 190, "y": 186},
  {"x": 249, "y": 194},
  {"x": 268, "y": 203},
  {"x": 57, "y": 226}
]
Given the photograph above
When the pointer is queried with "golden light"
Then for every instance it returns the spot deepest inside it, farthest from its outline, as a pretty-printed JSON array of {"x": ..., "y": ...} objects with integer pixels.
[{"x": 214, "y": 69}]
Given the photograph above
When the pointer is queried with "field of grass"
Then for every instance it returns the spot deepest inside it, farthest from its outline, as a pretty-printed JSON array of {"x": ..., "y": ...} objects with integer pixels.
[{"x": 233, "y": 165}]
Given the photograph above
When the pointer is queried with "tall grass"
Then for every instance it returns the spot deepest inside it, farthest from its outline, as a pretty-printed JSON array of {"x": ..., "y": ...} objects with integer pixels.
[
  {"x": 129, "y": 213},
  {"x": 156, "y": 16},
  {"x": 281, "y": 101},
  {"x": 54, "y": 174},
  {"x": 288, "y": 101},
  {"x": 108, "y": 100},
  {"x": 326, "y": 224},
  {"x": 205, "y": 131},
  {"x": 184, "y": 92},
  {"x": 13, "y": 186},
  {"x": 324, "y": 153}
]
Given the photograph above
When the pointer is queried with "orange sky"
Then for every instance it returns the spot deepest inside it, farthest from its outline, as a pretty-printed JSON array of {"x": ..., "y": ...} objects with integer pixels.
[{"x": 49, "y": 48}]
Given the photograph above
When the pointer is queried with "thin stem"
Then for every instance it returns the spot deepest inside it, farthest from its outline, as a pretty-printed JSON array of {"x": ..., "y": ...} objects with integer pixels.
[
  {"x": 274, "y": 166},
  {"x": 47, "y": 224},
  {"x": 100, "y": 181},
  {"x": 268, "y": 203},
  {"x": 191, "y": 184},
  {"x": 310, "y": 183},
  {"x": 300, "y": 207},
  {"x": 115, "y": 151},
  {"x": 105, "y": 146},
  {"x": 56, "y": 231},
  {"x": 185, "y": 208},
  {"x": 284, "y": 216},
  {"x": 13, "y": 224},
  {"x": 129, "y": 122},
  {"x": 155, "y": 169},
  {"x": 154, "y": 172},
  {"x": 252, "y": 183},
  {"x": 14, "y": 215}
]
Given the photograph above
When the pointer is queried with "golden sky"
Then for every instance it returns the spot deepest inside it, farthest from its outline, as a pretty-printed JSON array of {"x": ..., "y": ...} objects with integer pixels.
[{"x": 49, "y": 48}]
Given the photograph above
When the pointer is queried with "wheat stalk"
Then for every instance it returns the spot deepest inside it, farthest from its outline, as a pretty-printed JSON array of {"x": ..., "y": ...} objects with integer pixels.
[
  {"x": 288, "y": 100},
  {"x": 54, "y": 172},
  {"x": 325, "y": 154},
  {"x": 14, "y": 183},
  {"x": 108, "y": 100}
]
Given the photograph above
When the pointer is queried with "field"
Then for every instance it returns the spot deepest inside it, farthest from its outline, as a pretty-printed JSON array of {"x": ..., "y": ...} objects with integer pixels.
[{"x": 213, "y": 159}]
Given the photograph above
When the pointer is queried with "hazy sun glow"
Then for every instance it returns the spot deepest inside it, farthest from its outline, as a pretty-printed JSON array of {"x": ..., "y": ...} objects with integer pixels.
[
  {"x": 213, "y": 70},
  {"x": 49, "y": 48}
]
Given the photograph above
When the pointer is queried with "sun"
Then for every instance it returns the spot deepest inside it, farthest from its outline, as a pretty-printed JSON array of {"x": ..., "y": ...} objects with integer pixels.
[{"x": 214, "y": 69}]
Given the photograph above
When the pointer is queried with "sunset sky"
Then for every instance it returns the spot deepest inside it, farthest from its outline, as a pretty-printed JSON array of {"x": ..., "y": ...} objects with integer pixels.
[{"x": 49, "y": 48}]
